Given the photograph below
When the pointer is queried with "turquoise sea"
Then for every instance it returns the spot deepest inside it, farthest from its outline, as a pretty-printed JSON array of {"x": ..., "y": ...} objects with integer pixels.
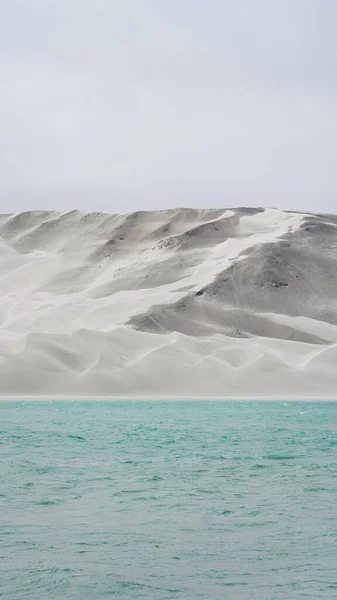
[{"x": 168, "y": 500}]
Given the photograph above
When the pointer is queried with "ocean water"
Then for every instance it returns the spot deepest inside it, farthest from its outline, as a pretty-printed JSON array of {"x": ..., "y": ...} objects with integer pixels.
[{"x": 168, "y": 500}]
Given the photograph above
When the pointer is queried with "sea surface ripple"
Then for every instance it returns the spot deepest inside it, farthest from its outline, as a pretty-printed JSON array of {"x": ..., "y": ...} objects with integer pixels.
[{"x": 168, "y": 500}]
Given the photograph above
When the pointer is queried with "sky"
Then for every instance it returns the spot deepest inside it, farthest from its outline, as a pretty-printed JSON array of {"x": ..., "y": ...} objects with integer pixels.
[{"x": 122, "y": 105}]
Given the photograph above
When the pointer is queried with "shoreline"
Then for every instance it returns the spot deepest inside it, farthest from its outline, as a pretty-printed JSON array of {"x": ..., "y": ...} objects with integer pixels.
[{"x": 65, "y": 398}]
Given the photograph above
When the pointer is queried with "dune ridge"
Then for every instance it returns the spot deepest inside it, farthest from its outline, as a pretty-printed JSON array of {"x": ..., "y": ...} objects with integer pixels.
[{"x": 226, "y": 303}]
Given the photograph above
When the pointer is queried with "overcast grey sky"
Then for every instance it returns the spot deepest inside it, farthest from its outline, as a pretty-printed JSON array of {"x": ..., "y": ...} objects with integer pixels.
[{"x": 121, "y": 105}]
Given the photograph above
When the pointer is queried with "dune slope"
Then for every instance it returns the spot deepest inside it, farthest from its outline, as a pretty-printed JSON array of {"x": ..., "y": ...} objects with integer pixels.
[{"x": 178, "y": 303}]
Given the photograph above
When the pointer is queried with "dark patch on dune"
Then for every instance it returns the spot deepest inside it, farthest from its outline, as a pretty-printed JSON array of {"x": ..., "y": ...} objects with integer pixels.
[
  {"x": 157, "y": 273},
  {"x": 189, "y": 317},
  {"x": 295, "y": 276}
]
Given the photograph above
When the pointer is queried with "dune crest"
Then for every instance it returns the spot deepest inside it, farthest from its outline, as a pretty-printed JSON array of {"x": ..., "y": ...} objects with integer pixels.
[{"x": 177, "y": 303}]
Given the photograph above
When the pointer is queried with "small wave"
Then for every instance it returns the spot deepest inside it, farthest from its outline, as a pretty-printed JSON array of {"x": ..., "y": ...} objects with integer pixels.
[
  {"x": 280, "y": 457},
  {"x": 48, "y": 502}
]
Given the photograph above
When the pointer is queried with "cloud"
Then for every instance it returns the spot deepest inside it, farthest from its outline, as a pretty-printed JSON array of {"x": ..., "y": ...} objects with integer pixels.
[{"x": 123, "y": 105}]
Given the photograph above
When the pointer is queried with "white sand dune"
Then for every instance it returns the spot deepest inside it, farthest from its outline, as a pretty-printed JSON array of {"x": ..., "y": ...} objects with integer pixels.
[{"x": 178, "y": 303}]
